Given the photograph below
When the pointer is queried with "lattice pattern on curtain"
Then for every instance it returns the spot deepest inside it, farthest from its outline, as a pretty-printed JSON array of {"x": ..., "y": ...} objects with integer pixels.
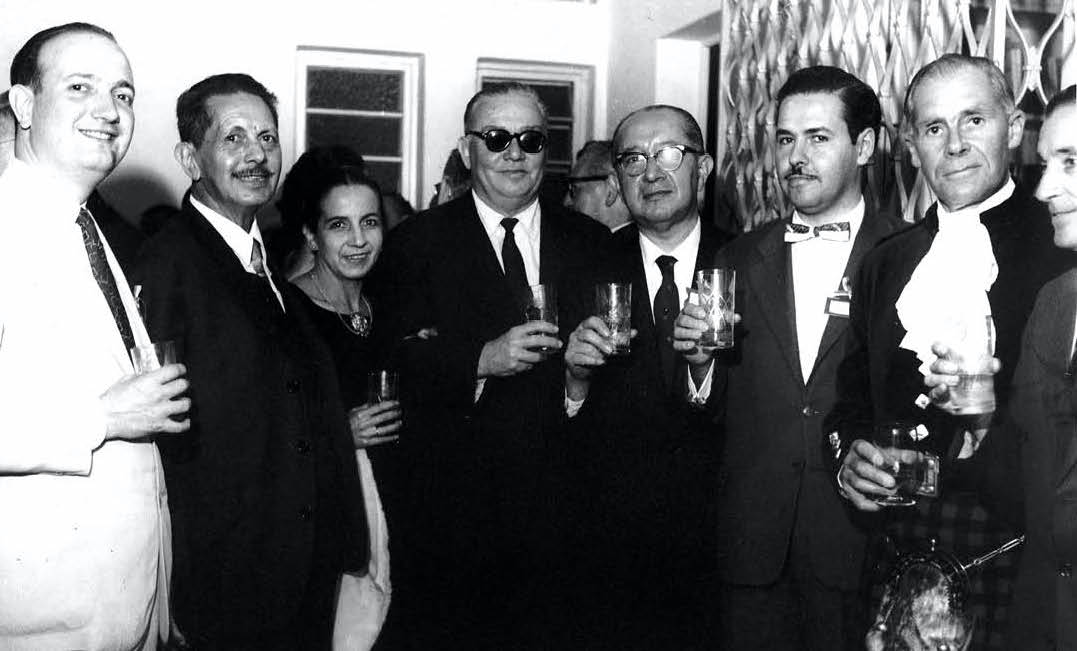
[{"x": 883, "y": 42}]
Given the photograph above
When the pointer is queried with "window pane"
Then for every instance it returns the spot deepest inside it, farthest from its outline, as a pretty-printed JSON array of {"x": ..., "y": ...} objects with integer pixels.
[
  {"x": 558, "y": 99},
  {"x": 370, "y": 136},
  {"x": 360, "y": 90},
  {"x": 560, "y": 143},
  {"x": 386, "y": 174}
]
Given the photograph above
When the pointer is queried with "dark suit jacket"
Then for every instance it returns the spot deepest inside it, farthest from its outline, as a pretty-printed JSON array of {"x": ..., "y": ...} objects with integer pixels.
[
  {"x": 773, "y": 483},
  {"x": 879, "y": 381},
  {"x": 643, "y": 458},
  {"x": 265, "y": 484},
  {"x": 471, "y": 489},
  {"x": 1030, "y": 461}
]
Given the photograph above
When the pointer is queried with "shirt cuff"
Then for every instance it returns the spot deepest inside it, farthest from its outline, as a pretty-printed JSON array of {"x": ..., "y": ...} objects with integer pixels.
[
  {"x": 572, "y": 407},
  {"x": 699, "y": 396}
]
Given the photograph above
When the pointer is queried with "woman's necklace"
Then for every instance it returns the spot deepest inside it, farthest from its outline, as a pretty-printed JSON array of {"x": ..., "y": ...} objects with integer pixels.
[{"x": 358, "y": 322}]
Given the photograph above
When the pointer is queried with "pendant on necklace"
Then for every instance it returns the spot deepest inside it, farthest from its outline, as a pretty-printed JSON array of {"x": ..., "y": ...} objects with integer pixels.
[{"x": 359, "y": 323}]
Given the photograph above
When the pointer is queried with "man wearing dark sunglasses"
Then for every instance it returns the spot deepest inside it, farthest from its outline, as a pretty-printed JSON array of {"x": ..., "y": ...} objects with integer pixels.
[
  {"x": 477, "y": 558},
  {"x": 591, "y": 188}
]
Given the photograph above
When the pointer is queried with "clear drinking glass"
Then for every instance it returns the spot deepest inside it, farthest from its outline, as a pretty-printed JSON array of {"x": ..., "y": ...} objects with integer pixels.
[
  {"x": 150, "y": 357},
  {"x": 614, "y": 305},
  {"x": 915, "y": 472},
  {"x": 542, "y": 306},
  {"x": 382, "y": 386},
  {"x": 716, "y": 290},
  {"x": 975, "y": 389}
]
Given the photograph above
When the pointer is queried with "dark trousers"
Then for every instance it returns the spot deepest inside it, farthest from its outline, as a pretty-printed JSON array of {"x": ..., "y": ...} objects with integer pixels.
[{"x": 795, "y": 613}]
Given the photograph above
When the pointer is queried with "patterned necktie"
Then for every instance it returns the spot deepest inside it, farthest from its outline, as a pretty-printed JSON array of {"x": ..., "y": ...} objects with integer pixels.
[
  {"x": 515, "y": 273},
  {"x": 102, "y": 273},
  {"x": 665, "y": 312},
  {"x": 834, "y": 231},
  {"x": 256, "y": 260}
]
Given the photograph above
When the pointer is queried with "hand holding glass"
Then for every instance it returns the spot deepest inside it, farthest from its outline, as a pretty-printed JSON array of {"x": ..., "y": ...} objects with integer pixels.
[
  {"x": 974, "y": 392},
  {"x": 914, "y": 472},
  {"x": 614, "y": 306}
]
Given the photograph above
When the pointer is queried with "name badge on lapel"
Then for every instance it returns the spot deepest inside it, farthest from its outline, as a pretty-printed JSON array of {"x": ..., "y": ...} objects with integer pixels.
[{"x": 837, "y": 304}]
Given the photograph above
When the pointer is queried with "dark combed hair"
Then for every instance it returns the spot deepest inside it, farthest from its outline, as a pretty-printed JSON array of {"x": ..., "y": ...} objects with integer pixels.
[
  {"x": 333, "y": 177},
  {"x": 596, "y": 157},
  {"x": 26, "y": 66},
  {"x": 691, "y": 127},
  {"x": 1064, "y": 97},
  {"x": 860, "y": 104},
  {"x": 500, "y": 90},
  {"x": 192, "y": 116},
  {"x": 950, "y": 63}
]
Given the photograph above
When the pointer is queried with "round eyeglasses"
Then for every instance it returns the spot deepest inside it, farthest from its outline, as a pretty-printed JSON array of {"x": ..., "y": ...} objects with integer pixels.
[
  {"x": 668, "y": 158},
  {"x": 496, "y": 140}
]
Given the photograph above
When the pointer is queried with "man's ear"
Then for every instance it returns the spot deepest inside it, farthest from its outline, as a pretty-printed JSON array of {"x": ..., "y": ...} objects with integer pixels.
[
  {"x": 706, "y": 166},
  {"x": 865, "y": 146},
  {"x": 21, "y": 99},
  {"x": 613, "y": 189},
  {"x": 185, "y": 156},
  {"x": 1015, "y": 129},
  {"x": 465, "y": 151}
]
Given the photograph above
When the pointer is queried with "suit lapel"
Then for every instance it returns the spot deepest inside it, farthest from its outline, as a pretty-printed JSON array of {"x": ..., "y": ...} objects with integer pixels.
[
  {"x": 481, "y": 269},
  {"x": 231, "y": 273},
  {"x": 551, "y": 245},
  {"x": 770, "y": 283},
  {"x": 872, "y": 229}
]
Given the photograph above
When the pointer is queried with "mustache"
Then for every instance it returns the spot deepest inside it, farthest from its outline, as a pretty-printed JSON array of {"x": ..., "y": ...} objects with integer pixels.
[
  {"x": 798, "y": 170},
  {"x": 255, "y": 170}
]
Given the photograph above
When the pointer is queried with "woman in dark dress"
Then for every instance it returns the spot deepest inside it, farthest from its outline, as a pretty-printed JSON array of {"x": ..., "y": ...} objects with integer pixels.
[{"x": 343, "y": 227}]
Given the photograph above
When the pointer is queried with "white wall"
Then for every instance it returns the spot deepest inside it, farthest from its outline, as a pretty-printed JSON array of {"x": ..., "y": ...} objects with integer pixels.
[
  {"x": 635, "y": 27},
  {"x": 171, "y": 48}
]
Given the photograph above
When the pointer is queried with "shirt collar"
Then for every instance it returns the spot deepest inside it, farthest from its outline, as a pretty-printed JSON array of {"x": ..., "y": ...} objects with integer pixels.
[
  {"x": 240, "y": 241},
  {"x": 1003, "y": 193},
  {"x": 528, "y": 217},
  {"x": 855, "y": 216},
  {"x": 686, "y": 251}
]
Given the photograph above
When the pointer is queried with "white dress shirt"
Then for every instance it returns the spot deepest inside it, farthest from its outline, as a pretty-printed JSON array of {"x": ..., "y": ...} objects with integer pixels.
[
  {"x": 240, "y": 241},
  {"x": 818, "y": 265},
  {"x": 525, "y": 233},
  {"x": 85, "y": 551},
  {"x": 683, "y": 275}
]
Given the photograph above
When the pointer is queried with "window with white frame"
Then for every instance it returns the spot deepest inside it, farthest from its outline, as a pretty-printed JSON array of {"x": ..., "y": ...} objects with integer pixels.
[
  {"x": 568, "y": 92},
  {"x": 369, "y": 101}
]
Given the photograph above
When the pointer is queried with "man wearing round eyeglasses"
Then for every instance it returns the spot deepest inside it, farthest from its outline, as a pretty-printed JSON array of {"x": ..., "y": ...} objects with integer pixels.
[
  {"x": 646, "y": 451},
  {"x": 478, "y": 552},
  {"x": 591, "y": 188}
]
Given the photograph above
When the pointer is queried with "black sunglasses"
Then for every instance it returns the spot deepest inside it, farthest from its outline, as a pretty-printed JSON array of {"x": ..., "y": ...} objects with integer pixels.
[{"x": 531, "y": 141}]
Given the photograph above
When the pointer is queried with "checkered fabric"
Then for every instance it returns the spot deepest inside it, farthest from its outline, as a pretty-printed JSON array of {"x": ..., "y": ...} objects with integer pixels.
[{"x": 962, "y": 526}]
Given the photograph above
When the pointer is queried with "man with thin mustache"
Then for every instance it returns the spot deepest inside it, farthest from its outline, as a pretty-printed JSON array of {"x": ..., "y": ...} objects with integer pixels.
[
  {"x": 266, "y": 503},
  {"x": 983, "y": 250},
  {"x": 789, "y": 551}
]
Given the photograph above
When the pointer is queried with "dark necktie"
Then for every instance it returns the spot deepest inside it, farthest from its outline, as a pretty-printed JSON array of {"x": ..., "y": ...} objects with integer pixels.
[
  {"x": 515, "y": 274},
  {"x": 102, "y": 273},
  {"x": 665, "y": 312},
  {"x": 258, "y": 264}
]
